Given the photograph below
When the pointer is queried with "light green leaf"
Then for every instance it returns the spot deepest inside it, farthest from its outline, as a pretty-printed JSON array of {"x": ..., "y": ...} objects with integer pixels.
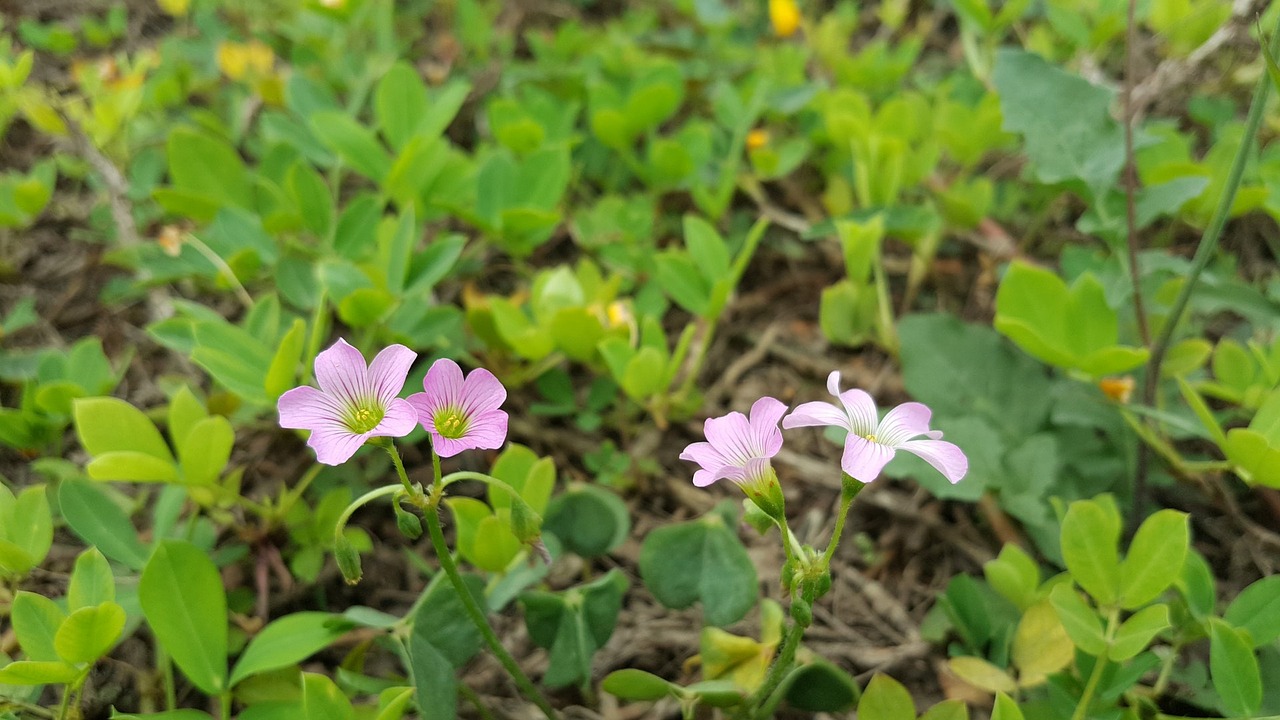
[
  {"x": 206, "y": 451},
  {"x": 91, "y": 581},
  {"x": 99, "y": 521},
  {"x": 1257, "y": 610},
  {"x": 1234, "y": 669},
  {"x": 36, "y": 620},
  {"x": 982, "y": 674},
  {"x": 289, "y": 640},
  {"x": 88, "y": 633},
  {"x": 1090, "y": 536},
  {"x": 37, "y": 672},
  {"x": 323, "y": 700},
  {"x": 1134, "y": 634},
  {"x": 185, "y": 410},
  {"x": 1155, "y": 558},
  {"x": 106, "y": 424},
  {"x": 399, "y": 103},
  {"x": 129, "y": 466},
  {"x": 355, "y": 144},
  {"x": 1079, "y": 620},
  {"x": 886, "y": 699},
  {"x": 184, "y": 602}
]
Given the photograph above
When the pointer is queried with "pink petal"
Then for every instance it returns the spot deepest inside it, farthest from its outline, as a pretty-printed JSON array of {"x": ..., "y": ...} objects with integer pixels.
[
  {"x": 448, "y": 447},
  {"x": 731, "y": 435},
  {"x": 400, "y": 420},
  {"x": 443, "y": 383},
  {"x": 703, "y": 453},
  {"x": 307, "y": 408},
  {"x": 341, "y": 372},
  {"x": 946, "y": 457},
  {"x": 816, "y": 413},
  {"x": 424, "y": 406},
  {"x": 861, "y": 409},
  {"x": 481, "y": 392},
  {"x": 388, "y": 371},
  {"x": 335, "y": 445},
  {"x": 488, "y": 430},
  {"x": 863, "y": 460},
  {"x": 703, "y": 478},
  {"x": 765, "y": 435},
  {"x": 833, "y": 383},
  {"x": 903, "y": 423}
]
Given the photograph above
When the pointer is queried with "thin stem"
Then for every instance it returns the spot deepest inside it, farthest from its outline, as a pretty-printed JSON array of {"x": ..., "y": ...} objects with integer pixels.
[
  {"x": 1099, "y": 665},
  {"x": 849, "y": 489},
  {"x": 166, "y": 678},
  {"x": 476, "y": 614},
  {"x": 292, "y": 495},
  {"x": 65, "y": 704},
  {"x": 1131, "y": 179},
  {"x": 781, "y": 666},
  {"x": 404, "y": 476},
  {"x": 360, "y": 502},
  {"x": 1204, "y": 252},
  {"x": 224, "y": 704},
  {"x": 223, "y": 268}
]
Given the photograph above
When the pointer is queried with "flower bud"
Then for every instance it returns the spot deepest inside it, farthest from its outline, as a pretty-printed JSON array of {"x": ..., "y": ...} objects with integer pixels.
[
  {"x": 348, "y": 559},
  {"x": 802, "y": 612},
  {"x": 526, "y": 524},
  {"x": 409, "y": 524}
]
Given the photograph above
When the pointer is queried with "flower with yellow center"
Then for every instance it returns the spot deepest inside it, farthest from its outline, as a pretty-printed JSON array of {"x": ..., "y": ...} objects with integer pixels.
[{"x": 461, "y": 412}]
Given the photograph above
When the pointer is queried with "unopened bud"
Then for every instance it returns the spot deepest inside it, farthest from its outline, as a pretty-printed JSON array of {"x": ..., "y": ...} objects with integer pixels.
[
  {"x": 409, "y": 524},
  {"x": 802, "y": 612},
  {"x": 348, "y": 559}
]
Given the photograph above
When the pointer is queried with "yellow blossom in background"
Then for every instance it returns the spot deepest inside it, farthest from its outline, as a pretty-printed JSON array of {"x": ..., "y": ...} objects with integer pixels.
[
  {"x": 240, "y": 60},
  {"x": 176, "y": 8},
  {"x": 785, "y": 17},
  {"x": 757, "y": 139},
  {"x": 1119, "y": 389},
  {"x": 170, "y": 240}
]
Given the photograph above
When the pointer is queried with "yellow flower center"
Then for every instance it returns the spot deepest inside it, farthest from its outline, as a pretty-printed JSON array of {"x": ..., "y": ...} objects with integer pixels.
[
  {"x": 451, "y": 423},
  {"x": 872, "y": 438},
  {"x": 364, "y": 419}
]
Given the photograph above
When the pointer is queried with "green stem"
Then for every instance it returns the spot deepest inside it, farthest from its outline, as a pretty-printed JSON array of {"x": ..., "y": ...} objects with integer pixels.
[
  {"x": 469, "y": 604},
  {"x": 292, "y": 495},
  {"x": 849, "y": 489},
  {"x": 166, "y": 678},
  {"x": 781, "y": 666},
  {"x": 224, "y": 704},
  {"x": 1099, "y": 665},
  {"x": 360, "y": 502},
  {"x": 65, "y": 704},
  {"x": 404, "y": 476}
]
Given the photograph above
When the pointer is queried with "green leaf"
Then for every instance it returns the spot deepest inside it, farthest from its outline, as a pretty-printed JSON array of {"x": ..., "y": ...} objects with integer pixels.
[
  {"x": 706, "y": 248},
  {"x": 323, "y": 700},
  {"x": 26, "y": 529},
  {"x": 820, "y": 686},
  {"x": 1155, "y": 558},
  {"x": 399, "y": 103},
  {"x": 206, "y": 166},
  {"x": 107, "y": 424},
  {"x": 312, "y": 196},
  {"x": 1066, "y": 120},
  {"x": 185, "y": 410},
  {"x": 701, "y": 560},
  {"x": 886, "y": 699},
  {"x": 99, "y": 521},
  {"x": 288, "y": 641},
  {"x": 589, "y": 520},
  {"x": 351, "y": 141},
  {"x": 91, "y": 581},
  {"x": 574, "y": 624},
  {"x": 1005, "y": 708},
  {"x": 1014, "y": 575},
  {"x": 631, "y": 684},
  {"x": 88, "y": 633},
  {"x": 283, "y": 371},
  {"x": 1256, "y": 460},
  {"x": 1041, "y": 645},
  {"x": 1079, "y": 620},
  {"x": 183, "y": 599},
  {"x": 681, "y": 279},
  {"x": 1135, "y": 633},
  {"x": 1256, "y": 610},
  {"x": 645, "y": 374},
  {"x": 982, "y": 674},
  {"x": 207, "y": 450},
  {"x": 129, "y": 466},
  {"x": 35, "y": 672},
  {"x": 36, "y": 620},
  {"x": 442, "y": 641},
  {"x": 947, "y": 710},
  {"x": 1234, "y": 669},
  {"x": 1090, "y": 536}
]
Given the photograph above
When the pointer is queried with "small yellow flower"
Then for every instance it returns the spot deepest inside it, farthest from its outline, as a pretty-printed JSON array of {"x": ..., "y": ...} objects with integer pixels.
[
  {"x": 785, "y": 16},
  {"x": 170, "y": 240},
  {"x": 176, "y": 8},
  {"x": 757, "y": 139},
  {"x": 238, "y": 61},
  {"x": 1119, "y": 389}
]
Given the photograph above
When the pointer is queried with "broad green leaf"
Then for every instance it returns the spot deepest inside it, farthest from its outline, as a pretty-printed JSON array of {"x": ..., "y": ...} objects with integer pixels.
[
  {"x": 681, "y": 279},
  {"x": 1041, "y": 645},
  {"x": 1089, "y": 538},
  {"x": 131, "y": 466},
  {"x": 1257, "y": 461},
  {"x": 645, "y": 374},
  {"x": 287, "y": 641},
  {"x": 982, "y": 674},
  {"x": 207, "y": 166},
  {"x": 351, "y": 141},
  {"x": 1078, "y": 619},
  {"x": 399, "y": 103},
  {"x": 1005, "y": 708},
  {"x": 207, "y": 450},
  {"x": 106, "y": 424},
  {"x": 88, "y": 633},
  {"x": 442, "y": 641},
  {"x": 27, "y": 531},
  {"x": 1135, "y": 633},
  {"x": 394, "y": 702},
  {"x": 36, "y": 620},
  {"x": 886, "y": 699},
  {"x": 706, "y": 248},
  {"x": 323, "y": 700},
  {"x": 631, "y": 684},
  {"x": 182, "y": 596},
  {"x": 701, "y": 560},
  {"x": 91, "y": 581},
  {"x": 1015, "y": 575},
  {"x": 99, "y": 521},
  {"x": 1234, "y": 669},
  {"x": 589, "y": 520},
  {"x": 1257, "y": 610},
  {"x": 37, "y": 672},
  {"x": 1155, "y": 558},
  {"x": 947, "y": 710},
  {"x": 282, "y": 374},
  {"x": 820, "y": 686},
  {"x": 185, "y": 410},
  {"x": 1066, "y": 120},
  {"x": 312, "y": 196},
  {"x": 573, "y": 625}
]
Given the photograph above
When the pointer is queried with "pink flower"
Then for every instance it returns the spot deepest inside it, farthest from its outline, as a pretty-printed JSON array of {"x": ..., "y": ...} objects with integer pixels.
[
  {"x": 738, "y": 448},
  {"x": 461, "y": 413},
  {"x": 354, "y": 402},
  {"x": 871, "y": 442}
]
